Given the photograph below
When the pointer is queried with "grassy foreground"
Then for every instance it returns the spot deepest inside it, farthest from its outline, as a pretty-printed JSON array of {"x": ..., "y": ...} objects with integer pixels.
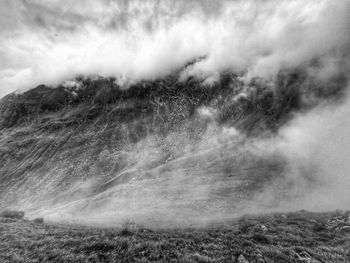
[{"x": 291, "y": 237}]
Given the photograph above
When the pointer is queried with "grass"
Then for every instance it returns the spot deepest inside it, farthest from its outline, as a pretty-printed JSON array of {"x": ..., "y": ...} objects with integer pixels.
[{"x": 286, "y": 237}]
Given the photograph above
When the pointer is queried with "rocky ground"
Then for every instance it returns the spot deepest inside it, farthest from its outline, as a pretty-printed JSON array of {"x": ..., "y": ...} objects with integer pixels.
[{"x": 281, "y": 237}]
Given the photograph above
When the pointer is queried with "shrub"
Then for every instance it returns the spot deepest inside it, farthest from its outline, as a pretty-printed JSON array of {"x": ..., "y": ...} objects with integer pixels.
[
  {"x": 12, "y": 214},
  {"x": 38, "y": 220},
  {"x": 262, "y": 239},
  {"x": 128, "y": 228}
]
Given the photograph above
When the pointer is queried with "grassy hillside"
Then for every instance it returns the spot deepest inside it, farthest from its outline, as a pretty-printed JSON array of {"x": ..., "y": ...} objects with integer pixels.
[
  {"x": 96, "y": 141},
  {"x": 291, "y": 237}
]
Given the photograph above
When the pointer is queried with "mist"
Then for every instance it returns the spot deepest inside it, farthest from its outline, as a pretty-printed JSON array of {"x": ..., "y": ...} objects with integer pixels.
[{"x": 317, "y": 147}]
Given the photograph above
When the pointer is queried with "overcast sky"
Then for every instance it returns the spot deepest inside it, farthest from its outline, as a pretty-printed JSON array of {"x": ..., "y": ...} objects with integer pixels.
[{"x": 53, "y": 40}]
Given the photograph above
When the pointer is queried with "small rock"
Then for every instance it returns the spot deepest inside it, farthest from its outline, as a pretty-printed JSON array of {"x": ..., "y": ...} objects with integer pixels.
[
  {"x": 259, "y": 256},
  {"x": 303, "y": 257},
  {"x": 263, "y": 228},
  {"x": 241, "y": 259}
]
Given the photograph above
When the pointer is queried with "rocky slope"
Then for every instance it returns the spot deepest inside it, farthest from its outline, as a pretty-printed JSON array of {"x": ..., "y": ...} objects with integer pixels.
[{"x": 93, "y": 151}]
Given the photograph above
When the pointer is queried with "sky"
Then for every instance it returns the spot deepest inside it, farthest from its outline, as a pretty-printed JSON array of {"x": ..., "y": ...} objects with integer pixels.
[{"x": 48, "y": 42}]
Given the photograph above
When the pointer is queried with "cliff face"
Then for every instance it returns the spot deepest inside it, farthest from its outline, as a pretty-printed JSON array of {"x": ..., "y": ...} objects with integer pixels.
[{"x": 157, "y": 149}]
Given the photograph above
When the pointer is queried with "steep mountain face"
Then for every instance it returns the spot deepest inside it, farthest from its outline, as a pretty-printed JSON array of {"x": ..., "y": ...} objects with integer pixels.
[{"x": 155, "y": 151}]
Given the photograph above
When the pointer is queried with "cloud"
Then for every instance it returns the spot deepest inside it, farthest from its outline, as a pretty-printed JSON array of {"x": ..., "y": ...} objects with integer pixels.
[
  {"x": 317, "y": 146},
  {"x": 315, "y": 149},
  {"x": 52, "y": 41}
]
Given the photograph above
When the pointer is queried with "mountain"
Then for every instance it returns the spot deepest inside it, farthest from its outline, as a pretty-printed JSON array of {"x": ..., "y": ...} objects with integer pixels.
[{"x": 94, "y": 151}]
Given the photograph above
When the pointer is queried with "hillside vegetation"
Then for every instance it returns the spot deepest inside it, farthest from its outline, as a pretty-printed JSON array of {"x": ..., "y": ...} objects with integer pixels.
[{"x": 291, "y": 237}]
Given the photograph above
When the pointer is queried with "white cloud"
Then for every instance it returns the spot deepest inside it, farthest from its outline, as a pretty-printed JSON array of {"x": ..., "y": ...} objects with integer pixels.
[
  {"x": 51, "y": 41},
  {"x": 317, "y": 149}
]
